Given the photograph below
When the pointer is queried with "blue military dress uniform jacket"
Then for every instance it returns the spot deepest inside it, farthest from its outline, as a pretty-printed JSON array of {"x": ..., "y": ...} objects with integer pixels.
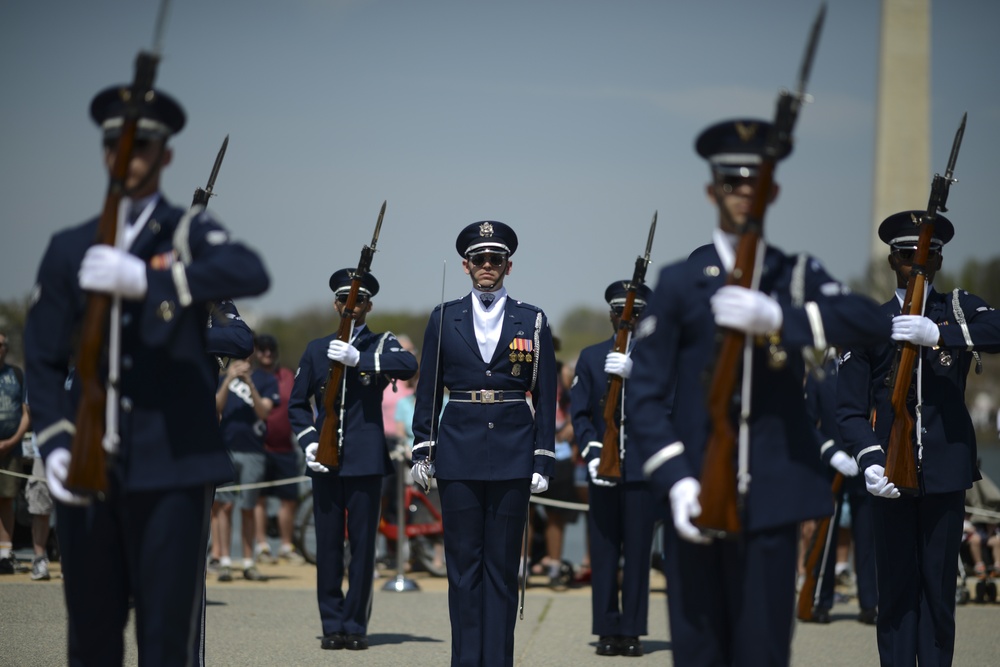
[
  {"x": 168, "y": 426},
  {"x": 676, "y": 343},
  {"x": 482, "y": 441},
  {"x": 363, "y": 450},
  {"x": 949, "y": 438}
]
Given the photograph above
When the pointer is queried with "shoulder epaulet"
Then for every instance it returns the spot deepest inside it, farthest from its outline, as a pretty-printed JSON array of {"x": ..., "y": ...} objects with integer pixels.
[
  {"x": 529, "y": 306},
  {"x": 446, "y": 304}
]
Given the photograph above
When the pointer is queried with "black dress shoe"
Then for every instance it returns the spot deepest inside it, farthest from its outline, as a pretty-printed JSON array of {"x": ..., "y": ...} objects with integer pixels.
[
  {"x": 630, "y": 646},
  {"x": 820, "y": 616},
  {"x": 868, "y": 616},
  {"x": 357, "y": 643},
  {"x": 333, "y": 641},
  {"x": 607, "y": 645}
]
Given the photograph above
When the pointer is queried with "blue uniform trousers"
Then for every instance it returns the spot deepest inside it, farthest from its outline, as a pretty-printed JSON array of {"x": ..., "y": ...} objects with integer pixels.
[
  {"x": 483, "y": 531},
  {"x": 864, "y": 553},
  {"x": 360, "y": 499},
  {"x": 732, "y": 602},
  {"x": 147, "y": 546},
  {"x": 916, "y": 587},
  {"x": 621, "y": 524}
]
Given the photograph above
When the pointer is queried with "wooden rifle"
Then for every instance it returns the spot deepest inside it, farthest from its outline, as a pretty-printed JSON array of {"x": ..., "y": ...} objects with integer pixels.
[
  {"x": 720, "y": 501},
  {"x": 87, "y": 474},
  {"x": 610, "y": 466},
  {"x": 328, "y": 452},
  {"x": 818, "y": 547},
  {"x": 900, "y": 459}
]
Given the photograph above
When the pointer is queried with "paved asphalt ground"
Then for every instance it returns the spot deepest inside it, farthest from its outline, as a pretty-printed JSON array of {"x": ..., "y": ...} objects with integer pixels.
[{"x": 276, "y": 623}]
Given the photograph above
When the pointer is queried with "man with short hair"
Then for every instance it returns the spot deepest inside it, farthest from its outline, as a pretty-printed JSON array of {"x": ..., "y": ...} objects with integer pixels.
[
  {"x": 732, "y": 601},
  {"x": 14, "y": 422},
  {"x": 490, "y": 449},
  {"x": 143, "y": 543},
  {"x": 917, "y": 537},
  {"x": 354, "y": 488}
]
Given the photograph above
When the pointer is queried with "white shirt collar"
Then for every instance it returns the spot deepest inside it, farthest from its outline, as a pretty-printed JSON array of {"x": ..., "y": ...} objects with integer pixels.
[
  {"x": 498, "y": 299},
  {"x": 725, "y": 245}
]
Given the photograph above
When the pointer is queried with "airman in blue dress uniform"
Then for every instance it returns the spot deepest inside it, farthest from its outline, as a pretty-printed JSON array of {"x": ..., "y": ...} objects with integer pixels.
[
  {"x": 621, "y": 513},
  {"x": 821, "y": 398},
  {"x": 917, "y": 537},
  {"x": 731, "y": 602},
  {"x": 146, "y": 539},
  {"x": 372, "y": 360},
  {"x": 489, "y": 450}
]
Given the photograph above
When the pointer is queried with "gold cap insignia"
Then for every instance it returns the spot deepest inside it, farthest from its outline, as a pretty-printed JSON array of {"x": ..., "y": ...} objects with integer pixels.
[{"x": 746, "y": 131}]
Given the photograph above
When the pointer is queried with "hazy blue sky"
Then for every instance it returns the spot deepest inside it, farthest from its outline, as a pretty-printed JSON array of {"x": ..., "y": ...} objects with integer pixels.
[{"x": 570, "y": 120}]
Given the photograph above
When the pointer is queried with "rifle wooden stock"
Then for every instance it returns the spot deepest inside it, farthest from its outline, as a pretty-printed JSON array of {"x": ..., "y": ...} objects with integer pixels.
[
  {"x": 328, "y": 452},
  {"x": 719, "y": 499},
  {"x": 814, "y": 554},
  {"x": 610, "y": 466},
  {"x": 720, "y": 502},
  {"x": 87, "y": 474},
  {"x": 900, "y": 458}
]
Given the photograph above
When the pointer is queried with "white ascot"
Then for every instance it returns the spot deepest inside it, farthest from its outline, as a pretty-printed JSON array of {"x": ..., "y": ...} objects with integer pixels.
[{"x": 488, "y": 322}]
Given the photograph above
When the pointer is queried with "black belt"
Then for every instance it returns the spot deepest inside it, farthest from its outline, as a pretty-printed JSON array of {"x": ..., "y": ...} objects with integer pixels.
[{"x": 487, "y": 396}]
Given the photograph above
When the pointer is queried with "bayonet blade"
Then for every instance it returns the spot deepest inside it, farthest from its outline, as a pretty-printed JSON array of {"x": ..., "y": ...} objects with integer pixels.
[
  {"x": 378, "y": 226},
  {"x": 807, "y": 61},
  {"x": 649, "y": 241},
  {"x": 215, "y": 167},
  {"x": 955, "y": 146},
  {"x": 160, "y": 29}
]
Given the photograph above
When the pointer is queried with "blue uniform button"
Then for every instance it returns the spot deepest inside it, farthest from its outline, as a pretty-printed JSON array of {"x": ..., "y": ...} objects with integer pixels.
[
  {"x": 126, "y": 319},
  {"x": 490, "y": 424},
  {"x": 126, "y": 404},
  {"x": 127, "y": 362},
  {"x": 166, "y": 311},
  {"x": 489, "y": 373}
]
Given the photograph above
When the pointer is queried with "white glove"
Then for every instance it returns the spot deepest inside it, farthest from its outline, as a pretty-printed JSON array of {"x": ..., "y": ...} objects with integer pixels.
[
  {"x": 617, "y": 363},
  {"x": 343, "y": 352},
  {"x": 592, "y": 466},
  {"x": 685, "y": 506},
  {"x": 113, "y": 271},
  {"x": 746, "y": 310},
  {"x": 311, "y": 461},
  {"x": 56, "y": 470},
  {"x": 844, "y": 464},
  {"x": 539, "y": 483},
  {"x": 422, "y": 473},
  {"x": 915, "y": 329},
  {"x": 878, "y": 484}
]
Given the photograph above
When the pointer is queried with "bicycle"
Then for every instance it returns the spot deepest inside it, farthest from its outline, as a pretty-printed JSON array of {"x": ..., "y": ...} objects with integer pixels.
[{"x": 423, "y": 529}]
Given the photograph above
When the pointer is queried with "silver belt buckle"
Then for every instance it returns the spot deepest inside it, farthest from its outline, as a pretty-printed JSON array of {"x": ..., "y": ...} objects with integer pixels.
[{"x": 486, "y": 396}]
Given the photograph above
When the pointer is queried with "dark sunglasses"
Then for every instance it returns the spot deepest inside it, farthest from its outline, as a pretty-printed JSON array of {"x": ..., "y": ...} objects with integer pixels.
[
  {"x": 907, "y": 254},
  {"x": 730, "y": 182},
  {"x": 494, "y": 258},
  {"x": 138, "y": 145},
  {"x": 618, "y": 310},
  {"x": 361, "y": 299}
]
